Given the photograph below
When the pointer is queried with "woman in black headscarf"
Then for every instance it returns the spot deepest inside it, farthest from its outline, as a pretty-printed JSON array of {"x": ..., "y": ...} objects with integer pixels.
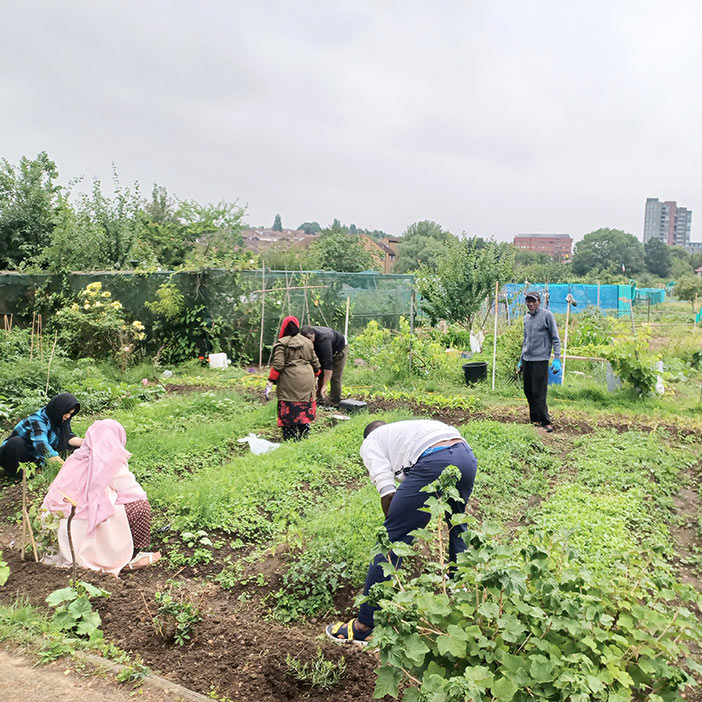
[{"x": 41, "y": 436}]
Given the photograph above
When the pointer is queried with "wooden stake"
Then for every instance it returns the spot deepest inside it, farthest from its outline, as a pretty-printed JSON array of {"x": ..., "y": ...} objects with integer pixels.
[
  {"x": 411, "y": 329},
  {"x": 48, "y": 367},
  {"x": 263, "y": 312},
  {"x": 31, "y": 346},
  {"x": 494, "y": 334},
  {"x": 565, "y": 345},
  {"x": 598, "y": 294},
  {"x": 346, "y": 323},
  {"x": 26, "y": 523},
  {"x": 73, "y": 504}
]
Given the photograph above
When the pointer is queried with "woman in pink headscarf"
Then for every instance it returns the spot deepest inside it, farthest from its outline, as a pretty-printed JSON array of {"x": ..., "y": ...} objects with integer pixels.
[{"x": 112, "y": 523}]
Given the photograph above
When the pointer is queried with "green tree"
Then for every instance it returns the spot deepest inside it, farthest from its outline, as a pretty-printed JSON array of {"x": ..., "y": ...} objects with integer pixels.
[
  {"x": 338, "y": 251},
  {"x": 277, "y": 224},
  {"x": 164, "y": 235},
  {"x": 689, "y": 288},
  {"x": 29, "y": 205},
  {"x": 464, "y": 278},
  {"x": 215, "y": 231},
  {"x": 310, "y": 227},
  {"x": 680, "y": 262},
  {"x": 657, "y": 257},
  {"x": 608, "y": 250},
  {"x": 422, "y": 244}
]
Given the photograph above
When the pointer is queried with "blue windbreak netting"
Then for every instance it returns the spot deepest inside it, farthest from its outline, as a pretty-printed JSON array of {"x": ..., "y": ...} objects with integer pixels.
[{"x": 553, "y": 296}]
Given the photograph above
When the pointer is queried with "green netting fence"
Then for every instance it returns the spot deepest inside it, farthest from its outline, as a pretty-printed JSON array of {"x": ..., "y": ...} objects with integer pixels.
[{"x": 235, "y": 301}]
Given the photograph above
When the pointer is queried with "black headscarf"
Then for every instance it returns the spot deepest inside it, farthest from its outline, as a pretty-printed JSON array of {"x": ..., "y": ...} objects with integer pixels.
[{"x": 55, "y": 409}]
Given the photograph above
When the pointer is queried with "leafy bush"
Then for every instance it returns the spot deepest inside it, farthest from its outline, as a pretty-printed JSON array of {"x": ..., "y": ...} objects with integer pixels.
[
  {"x": 95, "y": 326},
  {"x": 389, "y": 351},
  {"x": 532, "y": 623},
  {"x": 633, "y": 364}
]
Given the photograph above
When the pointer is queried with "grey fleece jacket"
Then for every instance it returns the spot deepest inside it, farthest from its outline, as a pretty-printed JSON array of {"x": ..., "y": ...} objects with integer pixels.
[{"x": 540, "y": 334}]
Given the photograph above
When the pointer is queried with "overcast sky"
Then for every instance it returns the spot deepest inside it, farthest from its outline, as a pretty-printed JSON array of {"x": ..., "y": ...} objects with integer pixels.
[{"x": 490, "y": 117}]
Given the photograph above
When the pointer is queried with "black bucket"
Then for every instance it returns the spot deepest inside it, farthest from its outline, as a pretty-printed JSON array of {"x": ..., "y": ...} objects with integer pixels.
[{"x": 475, "y": 371}]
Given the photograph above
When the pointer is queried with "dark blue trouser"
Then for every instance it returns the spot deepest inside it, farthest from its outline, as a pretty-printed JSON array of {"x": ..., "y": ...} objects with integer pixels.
[{"x": 405, "y": 516}]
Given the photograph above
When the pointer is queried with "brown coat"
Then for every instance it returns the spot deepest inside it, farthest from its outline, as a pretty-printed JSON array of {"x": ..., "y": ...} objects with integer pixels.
[{"x": 294, "y": 358}]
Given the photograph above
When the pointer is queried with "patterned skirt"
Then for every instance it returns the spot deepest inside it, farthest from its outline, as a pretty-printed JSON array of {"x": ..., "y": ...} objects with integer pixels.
[
  {"x": 139, "y": 518},
  {"x": 290, "y": 413}
]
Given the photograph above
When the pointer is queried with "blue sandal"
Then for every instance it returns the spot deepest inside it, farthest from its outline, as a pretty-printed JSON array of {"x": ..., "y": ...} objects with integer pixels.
[{"x": 347, "y": 633}]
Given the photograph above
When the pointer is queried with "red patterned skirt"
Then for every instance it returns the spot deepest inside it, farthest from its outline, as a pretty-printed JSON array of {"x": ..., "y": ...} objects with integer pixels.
[
  {"x": 139, "y": 518},
  {"x": 291, "y": 413}
]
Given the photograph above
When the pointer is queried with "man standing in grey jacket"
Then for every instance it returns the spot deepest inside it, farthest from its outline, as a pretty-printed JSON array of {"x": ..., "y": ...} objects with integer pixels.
[{"x": 540, "y": 336}]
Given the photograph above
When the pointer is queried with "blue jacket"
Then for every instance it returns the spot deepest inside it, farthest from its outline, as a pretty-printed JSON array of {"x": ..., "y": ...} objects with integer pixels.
[{"x": 540, "y": 335}]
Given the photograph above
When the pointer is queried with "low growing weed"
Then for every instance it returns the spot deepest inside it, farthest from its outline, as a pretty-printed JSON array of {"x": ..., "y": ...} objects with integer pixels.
[
  {"x": 319, "y": 673},
  {"x": 175, "y": 618}
]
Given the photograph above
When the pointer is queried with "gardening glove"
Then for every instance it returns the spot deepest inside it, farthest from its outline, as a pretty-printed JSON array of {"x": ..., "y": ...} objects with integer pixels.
[
  {"x": 556, "y": 365},
  {"x": 267, "y": 390},
  {"x": 519, "y": 366}
]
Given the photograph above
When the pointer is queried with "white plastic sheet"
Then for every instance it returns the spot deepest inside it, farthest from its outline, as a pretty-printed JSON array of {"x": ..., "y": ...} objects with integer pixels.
[{"x": 257, "y": 445}]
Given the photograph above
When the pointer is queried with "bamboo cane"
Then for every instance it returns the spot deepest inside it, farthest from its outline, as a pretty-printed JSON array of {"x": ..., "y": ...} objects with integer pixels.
[
  {"x": 494, "y": 334},
  {"x": 48, "y": 367},
  {"x": 263, "y": 311},
  {"x": 346, "y": 322},
  {"x": 31, "y": 345}
]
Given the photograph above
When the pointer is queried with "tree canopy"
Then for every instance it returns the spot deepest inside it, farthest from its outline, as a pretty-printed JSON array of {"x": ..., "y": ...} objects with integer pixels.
[
  {"x": 422, "y": 244},
  {"x": 608, "y": 250},
  {"x": 657, "y": 257},
  {"x": 463, "y": 278}
]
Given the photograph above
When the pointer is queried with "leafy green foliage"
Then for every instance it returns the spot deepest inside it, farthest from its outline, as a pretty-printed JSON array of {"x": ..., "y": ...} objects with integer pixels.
[
  {"x": 319, "y": 672},
  {"x": 337, "y": 251},
  {"x": 422, "y": 244},
  {"x": 607, "y": 250},
  {"x": 463, "y": 279},
  {"x": 74, "y": 613},
  {"x": 657, "y": 257},
  {"x": 633, "y": 364},
  {"x": 95, "y": 326},
  {"x": 531, "y": 622},
  {"x": 175, "y": 618}
]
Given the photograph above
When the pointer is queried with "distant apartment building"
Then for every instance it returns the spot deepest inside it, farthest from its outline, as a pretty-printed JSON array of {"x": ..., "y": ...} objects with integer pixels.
[
  {"x": 667, "y": 222},
  {"x": 557, "y": 246}
]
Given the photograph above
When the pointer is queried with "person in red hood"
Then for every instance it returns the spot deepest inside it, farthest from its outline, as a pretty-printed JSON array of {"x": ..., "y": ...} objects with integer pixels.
[{"x": 293, "y": 370}]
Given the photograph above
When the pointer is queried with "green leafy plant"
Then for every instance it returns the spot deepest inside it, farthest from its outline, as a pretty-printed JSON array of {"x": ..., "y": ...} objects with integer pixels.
[
  {"x": 525, "y": 622},
  {"x": 175, "y": 619},
  {"x": 633, "y": 364},
  {"x": 74, "y": 613},
  {"x": 95, "y": 326},
  {"x": 133, "y": 673},
  {"x": 319, "y": 672}
]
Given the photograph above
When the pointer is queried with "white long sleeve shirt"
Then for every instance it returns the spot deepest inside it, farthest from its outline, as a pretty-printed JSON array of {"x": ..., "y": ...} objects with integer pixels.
[{"x": 392, "y": 448}]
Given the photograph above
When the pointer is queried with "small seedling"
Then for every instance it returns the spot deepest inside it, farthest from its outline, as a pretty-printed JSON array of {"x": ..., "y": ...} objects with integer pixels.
[
  {"x": 320, "y": 672},
  {"x": 175, "y": 619}
]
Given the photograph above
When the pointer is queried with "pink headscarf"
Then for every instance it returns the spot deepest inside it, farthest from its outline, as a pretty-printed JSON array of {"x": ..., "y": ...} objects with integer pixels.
[{"x": 87, "y": 473}]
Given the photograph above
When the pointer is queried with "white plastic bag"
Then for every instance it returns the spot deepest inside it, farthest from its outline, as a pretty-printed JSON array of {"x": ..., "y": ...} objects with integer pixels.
[
  {"x": 476, "y": 342},
  {"x": 257, "y": 445},
  {"x": 660, "y": 387}
]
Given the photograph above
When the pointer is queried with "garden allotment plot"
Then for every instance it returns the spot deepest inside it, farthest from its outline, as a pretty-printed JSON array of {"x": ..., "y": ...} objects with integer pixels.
[{"x": 269, "y": 548}]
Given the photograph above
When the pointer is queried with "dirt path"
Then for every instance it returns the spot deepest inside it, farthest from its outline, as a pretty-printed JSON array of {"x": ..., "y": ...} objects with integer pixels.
[{"x": 20, "y": 682}]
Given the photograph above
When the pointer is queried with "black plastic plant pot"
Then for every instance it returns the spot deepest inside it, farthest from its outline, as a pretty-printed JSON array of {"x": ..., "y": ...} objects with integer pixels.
[{"x": 475, "y": 371}]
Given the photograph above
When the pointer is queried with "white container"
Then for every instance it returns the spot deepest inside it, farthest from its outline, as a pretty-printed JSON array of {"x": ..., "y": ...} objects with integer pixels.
[{"x": 218, "y": 360}]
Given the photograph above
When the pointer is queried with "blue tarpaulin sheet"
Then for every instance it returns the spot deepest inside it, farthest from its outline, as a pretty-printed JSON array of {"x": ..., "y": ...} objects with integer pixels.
[{"x": 553, "y": 296}]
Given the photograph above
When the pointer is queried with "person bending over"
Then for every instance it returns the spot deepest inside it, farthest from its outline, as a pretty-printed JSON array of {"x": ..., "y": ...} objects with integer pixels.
[
  {"x": 42, "y": 436},
  {"x": 112, "y": 522},
  {"x": 412, "y": 453},
  {"x": 332, "y": 350}
]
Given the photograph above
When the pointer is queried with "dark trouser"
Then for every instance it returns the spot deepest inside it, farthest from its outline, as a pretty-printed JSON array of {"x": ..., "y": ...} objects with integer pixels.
[
  {"x": 535, "y": 388},
  {"x": 337, "y": 373},
  {"x": 295, "y": 432},
  {"x": 405, "y": 516},
  {"x": 13, "y": 452}
]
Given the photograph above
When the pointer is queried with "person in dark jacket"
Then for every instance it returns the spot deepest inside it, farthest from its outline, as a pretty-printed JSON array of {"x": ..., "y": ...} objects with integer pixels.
[
  {"x": 293, "y": 369},
  {"x": 42, "y": 436},
  {"x": 332, "y": 350},
  {"x": 540, "y": 336}
]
